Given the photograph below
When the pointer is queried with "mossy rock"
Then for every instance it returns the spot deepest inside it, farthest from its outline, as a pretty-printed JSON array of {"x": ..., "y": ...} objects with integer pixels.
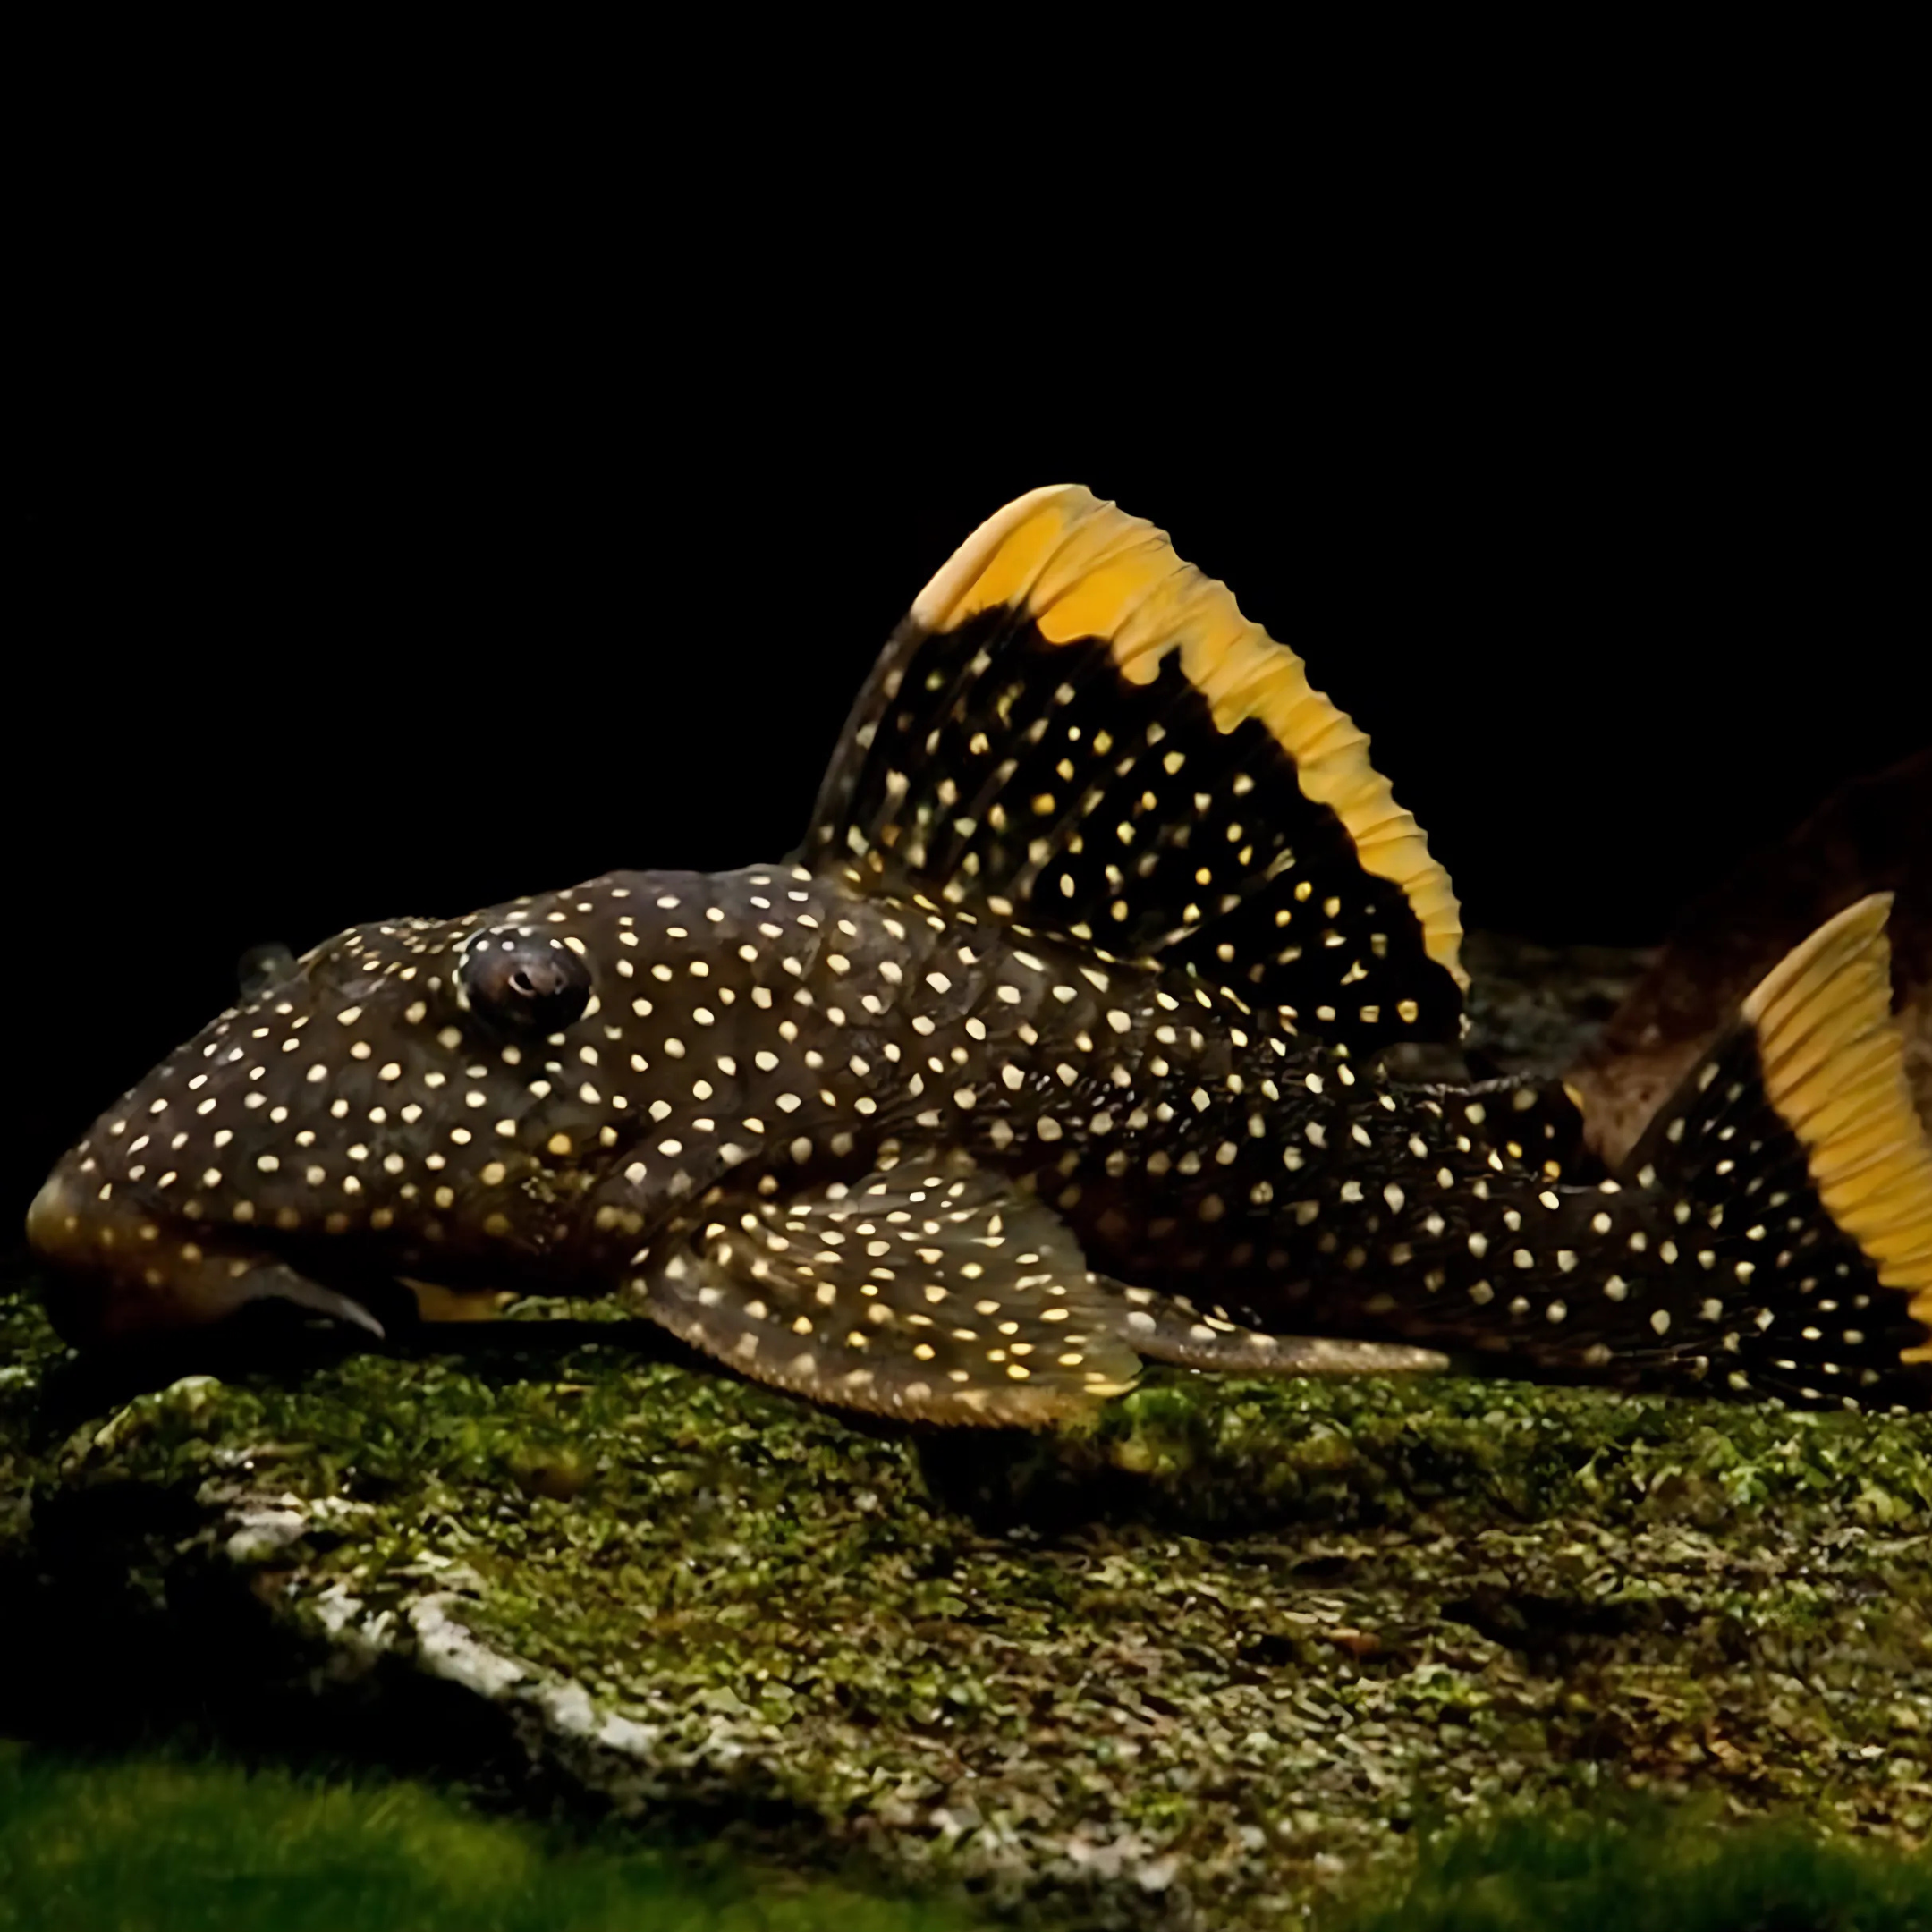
[
  {"x": 1192, "y": 1666},
  {"x": 1222, "y": 1649}
]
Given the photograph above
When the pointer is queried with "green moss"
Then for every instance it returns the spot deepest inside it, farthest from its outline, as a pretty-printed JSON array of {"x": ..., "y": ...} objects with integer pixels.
[
  {"x": 156, "y": 1845},
  {"x": 161, "y": 1845},
  {"x": 1226, "y": 1644},
  {"x": 1660, "y": 1872}
]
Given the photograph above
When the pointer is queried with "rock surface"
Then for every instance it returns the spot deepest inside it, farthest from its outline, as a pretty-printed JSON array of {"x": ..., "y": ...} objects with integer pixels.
[{"x": 1189, "y": 1668}]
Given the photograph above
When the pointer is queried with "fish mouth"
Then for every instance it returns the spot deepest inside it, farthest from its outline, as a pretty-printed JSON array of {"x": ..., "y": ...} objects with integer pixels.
[{"x": 122, "y": 1270}]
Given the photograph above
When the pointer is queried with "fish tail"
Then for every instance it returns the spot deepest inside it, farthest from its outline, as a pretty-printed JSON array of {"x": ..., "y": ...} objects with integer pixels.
[{"x": 1794, "y": 1182}]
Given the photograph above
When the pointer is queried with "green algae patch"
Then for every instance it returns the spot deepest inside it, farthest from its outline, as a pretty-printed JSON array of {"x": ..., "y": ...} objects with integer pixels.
[
  {"x": 1210, "y": 1658},
  {"x": 1684, "y": 1871},
  {"x": 1242, "y": 1455},
  {"x": 151, "y": 1845}
]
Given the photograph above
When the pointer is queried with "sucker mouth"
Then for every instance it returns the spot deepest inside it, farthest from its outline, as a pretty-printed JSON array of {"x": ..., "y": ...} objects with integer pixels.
[{"x": 121, "y": 1270}]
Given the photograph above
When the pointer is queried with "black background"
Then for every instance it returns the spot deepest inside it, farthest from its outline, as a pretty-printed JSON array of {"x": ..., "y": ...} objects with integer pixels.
[{"x": 347, "y": 598}]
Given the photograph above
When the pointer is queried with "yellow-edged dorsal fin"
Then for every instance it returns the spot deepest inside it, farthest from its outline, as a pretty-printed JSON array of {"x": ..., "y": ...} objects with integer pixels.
[{"x": 1075, "y": 730}]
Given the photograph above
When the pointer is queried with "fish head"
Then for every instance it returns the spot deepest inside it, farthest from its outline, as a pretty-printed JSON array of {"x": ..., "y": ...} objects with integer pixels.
[{"x": 412, "y": 1100}]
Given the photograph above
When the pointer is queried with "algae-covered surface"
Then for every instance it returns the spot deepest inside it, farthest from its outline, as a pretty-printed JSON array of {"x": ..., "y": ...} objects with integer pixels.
[
  {"x": 1192, "y": 1667},
  {"x": 165, "y": 1842},
  {"x": 1229, "y": 1652}
]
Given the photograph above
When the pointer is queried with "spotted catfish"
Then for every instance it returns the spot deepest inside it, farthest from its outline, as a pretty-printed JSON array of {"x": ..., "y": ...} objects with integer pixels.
[{"x": 1052, "y": 1051}]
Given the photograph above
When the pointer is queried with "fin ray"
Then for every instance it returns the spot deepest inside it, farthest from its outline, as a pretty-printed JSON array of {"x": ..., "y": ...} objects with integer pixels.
[
  {"x": 1076, "y": 731},
  {"x": 1864, "y": 1145},
  {"x": 1169, "y": 1329},
  {"x": 1796, "y": 1141},
  {"x": 929, "y": 1289}
]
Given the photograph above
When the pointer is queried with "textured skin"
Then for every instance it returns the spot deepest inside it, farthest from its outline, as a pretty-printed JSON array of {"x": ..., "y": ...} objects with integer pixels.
[
  {"x": 1042, "y": 1065},
  {"x": 766, "y": 1034}
]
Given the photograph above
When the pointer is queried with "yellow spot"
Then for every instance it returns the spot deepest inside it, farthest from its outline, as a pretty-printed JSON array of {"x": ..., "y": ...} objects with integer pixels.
[{"x": 1081, "y": 569}]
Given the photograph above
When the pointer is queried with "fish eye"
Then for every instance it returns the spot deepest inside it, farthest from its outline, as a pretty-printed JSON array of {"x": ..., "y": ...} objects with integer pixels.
[{"x": 522, "y": 981}]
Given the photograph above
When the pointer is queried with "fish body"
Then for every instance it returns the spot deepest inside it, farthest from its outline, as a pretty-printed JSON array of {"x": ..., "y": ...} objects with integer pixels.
[{"x": 1052, "y": 1051}]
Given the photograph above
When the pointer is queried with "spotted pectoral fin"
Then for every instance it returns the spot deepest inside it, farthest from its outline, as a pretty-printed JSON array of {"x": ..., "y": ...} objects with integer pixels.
[
  {"x": 1074, "y": 729},
  {"x": 931, "y": 1290}
]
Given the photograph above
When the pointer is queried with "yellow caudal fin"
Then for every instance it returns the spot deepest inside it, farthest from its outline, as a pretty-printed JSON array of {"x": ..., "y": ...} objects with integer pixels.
[
  {"x": 1076, "y": 731},
  {"x": 1799, "y": 1183},
  {"x": 1834, "y": 1070}
]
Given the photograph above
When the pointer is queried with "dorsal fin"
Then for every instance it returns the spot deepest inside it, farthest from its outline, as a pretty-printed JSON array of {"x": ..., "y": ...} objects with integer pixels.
[{"x": 1076, "y": 731}]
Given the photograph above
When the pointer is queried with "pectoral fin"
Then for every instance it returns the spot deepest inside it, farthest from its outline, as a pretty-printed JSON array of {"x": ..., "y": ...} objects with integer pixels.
[{"x": 930, "y": 1289}]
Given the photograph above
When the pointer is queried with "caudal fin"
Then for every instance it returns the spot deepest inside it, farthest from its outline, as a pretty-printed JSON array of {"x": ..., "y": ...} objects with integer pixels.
[{"x": 1799, "y": 1172}]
